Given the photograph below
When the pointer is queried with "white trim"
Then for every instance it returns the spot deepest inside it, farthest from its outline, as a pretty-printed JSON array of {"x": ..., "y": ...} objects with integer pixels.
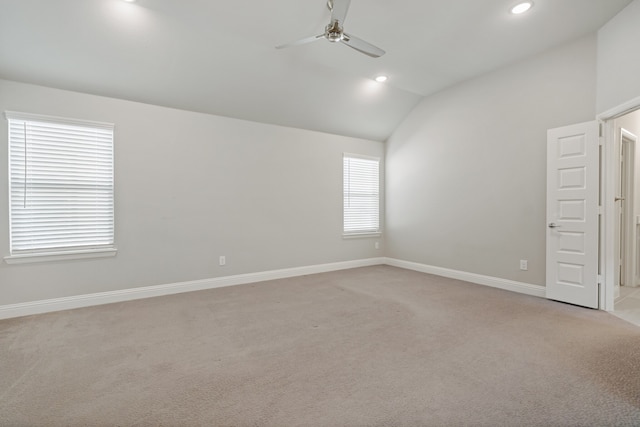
[
  {"x": 14, "y": 115},
  {"x": 79, "y": 301},
  {"x": 620, "y": 110},
  {"x": 88, "y": 300},
  {"x": 59, "y": 256},
  {"x": 361, "y": 156},
  {"x": 629, "y": 268},
  {"x": 608, "y": 223},
  {"x": 494, "y": 282},
  {"x": 361, "y": 235}
]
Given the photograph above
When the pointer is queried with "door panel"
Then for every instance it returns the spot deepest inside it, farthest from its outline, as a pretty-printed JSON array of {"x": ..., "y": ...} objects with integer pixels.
[{"x": 572, "y": 214}]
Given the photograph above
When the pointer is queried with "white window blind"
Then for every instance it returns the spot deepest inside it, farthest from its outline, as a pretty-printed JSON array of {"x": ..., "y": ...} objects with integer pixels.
[
  {"x": 60, "y": 184},
  {"x": 361, "y": 194}
]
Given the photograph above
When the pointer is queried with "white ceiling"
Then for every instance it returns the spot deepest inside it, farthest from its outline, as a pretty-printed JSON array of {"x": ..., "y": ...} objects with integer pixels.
[{"x": 218, "y": 56}]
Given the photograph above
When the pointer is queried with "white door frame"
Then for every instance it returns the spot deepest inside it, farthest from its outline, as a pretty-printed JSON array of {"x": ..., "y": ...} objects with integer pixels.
[
  {"x": 628, "y": 273},
  {"x": 624, "y": 248},
  {"x": 608, "y": 193}
]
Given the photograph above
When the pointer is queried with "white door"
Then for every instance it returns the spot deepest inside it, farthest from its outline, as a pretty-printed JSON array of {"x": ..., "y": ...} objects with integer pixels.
[{"x": 572, "y": 214}]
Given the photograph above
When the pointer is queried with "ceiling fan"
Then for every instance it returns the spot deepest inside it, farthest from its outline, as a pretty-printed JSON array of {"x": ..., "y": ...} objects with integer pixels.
[{"x": 334, "y": 32}]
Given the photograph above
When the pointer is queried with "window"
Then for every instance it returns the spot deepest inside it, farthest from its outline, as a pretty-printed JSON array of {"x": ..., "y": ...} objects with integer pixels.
[
  {"x": 60, "y": 187},
  {"x": 361, "y": 195}
]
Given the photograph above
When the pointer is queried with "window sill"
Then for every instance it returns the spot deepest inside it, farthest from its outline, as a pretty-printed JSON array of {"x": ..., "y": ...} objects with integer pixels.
[
  {"x": 60, "y": 256},
  {"x": 361, "y": 235}
]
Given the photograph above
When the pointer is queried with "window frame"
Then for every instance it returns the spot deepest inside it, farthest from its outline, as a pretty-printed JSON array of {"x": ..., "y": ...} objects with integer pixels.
[
  {"x": 60, "y": 253},
  {"x": 362, "y": 233}
]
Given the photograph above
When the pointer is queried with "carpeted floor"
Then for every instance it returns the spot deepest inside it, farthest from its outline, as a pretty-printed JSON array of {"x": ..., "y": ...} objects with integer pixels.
[{"x": 375, "y": 346}]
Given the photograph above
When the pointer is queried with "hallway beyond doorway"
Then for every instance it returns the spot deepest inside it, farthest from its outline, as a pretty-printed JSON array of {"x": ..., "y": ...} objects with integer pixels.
[{"x": 627, "y": 307}]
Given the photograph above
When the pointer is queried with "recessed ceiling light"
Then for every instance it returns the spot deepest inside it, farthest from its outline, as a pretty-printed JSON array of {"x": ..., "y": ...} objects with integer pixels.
[
  {"x": 521, "y": 7},
  {"x": 381, "y": 79},
  {"x": 130, "y": 1}
]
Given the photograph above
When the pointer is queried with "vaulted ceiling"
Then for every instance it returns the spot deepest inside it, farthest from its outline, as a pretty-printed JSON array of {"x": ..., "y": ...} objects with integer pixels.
[{"x": 218, "y": 57}]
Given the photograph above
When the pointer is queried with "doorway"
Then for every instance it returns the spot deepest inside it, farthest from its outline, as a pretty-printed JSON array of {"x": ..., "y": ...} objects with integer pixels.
[
  {"x": 620, "y": 192},
  {"x": 627, "y": 293},
  {"x": 626, "y": 223}
]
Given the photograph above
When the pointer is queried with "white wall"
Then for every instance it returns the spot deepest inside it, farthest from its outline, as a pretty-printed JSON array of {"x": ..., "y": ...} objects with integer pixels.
[
  {"x": 466, "y": 171},
  {"x": 189, "y": 188},
  {"x": 619, "y": 59}
]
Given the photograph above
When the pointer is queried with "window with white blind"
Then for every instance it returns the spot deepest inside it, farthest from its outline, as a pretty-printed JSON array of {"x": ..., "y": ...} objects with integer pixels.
[
  {"x": 60, "y": 187},
  {"x": 361, "y": 179}
]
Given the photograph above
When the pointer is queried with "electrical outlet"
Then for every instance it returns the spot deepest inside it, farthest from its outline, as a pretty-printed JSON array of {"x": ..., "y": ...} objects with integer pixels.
[
  {"x": 377, "y": 245},
  {"x": 524, "y": 264},
  {"x": 223, "y": 260}
]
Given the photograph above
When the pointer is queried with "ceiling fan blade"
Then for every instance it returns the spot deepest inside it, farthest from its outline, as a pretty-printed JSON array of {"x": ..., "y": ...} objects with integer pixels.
[
  {"x": 339, "y": 9},
  {"x": 301, "y": 41},
  {"x": 362, "y": 46}
]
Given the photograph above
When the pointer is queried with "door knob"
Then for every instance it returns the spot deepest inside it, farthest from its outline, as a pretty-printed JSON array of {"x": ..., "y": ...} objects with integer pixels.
[{"x": 553, "y": 225}]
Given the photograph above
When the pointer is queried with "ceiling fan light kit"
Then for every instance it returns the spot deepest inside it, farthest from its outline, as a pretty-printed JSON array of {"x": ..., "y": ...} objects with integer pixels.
[{"x": 334, "y": 32}]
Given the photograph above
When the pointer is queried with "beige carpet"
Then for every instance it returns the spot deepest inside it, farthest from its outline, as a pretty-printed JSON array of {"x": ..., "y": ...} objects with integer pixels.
[{"x": 376, "y": 346}]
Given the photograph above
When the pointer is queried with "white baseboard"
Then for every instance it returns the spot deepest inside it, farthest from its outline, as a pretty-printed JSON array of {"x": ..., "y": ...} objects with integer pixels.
[
  {"x": 494, "y": 282},
  {"x": 79, "y": 301}
]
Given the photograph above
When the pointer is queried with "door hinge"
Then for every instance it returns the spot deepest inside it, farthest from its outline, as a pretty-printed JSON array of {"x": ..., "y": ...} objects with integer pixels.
[
  {"x": 599, "y": 279},
  {"x": 600, "y": 210}
]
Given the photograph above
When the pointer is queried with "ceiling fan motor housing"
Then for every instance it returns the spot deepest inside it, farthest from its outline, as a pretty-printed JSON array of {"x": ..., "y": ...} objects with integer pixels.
[{"x": 333, "y": 32}]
